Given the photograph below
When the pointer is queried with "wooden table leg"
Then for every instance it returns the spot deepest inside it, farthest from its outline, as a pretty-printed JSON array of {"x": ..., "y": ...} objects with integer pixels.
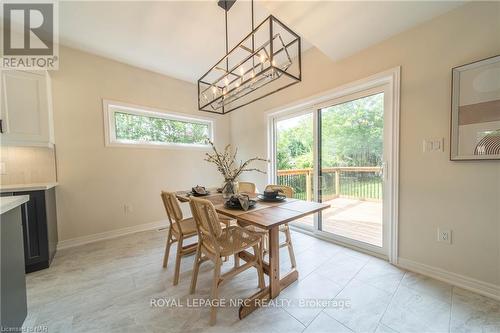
[
  {"x": 273, "y": 270},
  {"x": 274, "y": 262}
]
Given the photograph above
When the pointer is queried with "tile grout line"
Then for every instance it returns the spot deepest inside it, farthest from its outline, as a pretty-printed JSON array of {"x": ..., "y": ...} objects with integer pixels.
[
  {"x": 323, "y": 310},
  {"x": 304, "y": 277},
  {"x": 296, "y": 319},
  {"x": 342, "y": 289},
  {"x": 390, "y": 302},
  {"x": 451, "y": 307}
]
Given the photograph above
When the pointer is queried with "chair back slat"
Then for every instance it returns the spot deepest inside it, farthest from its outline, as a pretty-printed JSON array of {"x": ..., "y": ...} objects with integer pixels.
[
  {"x": 286, "y": 190},
  {"x": 246, "y": 187},
  {"x": 172, "y": 208},
  {"x": 206, "y": 218}
]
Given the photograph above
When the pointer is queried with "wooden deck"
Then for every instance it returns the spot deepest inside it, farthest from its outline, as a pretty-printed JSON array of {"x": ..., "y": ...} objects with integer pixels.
[{"x": 351, "y": 218}]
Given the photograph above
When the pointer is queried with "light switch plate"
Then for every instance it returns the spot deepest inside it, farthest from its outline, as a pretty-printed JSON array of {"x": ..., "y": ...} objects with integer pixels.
[
  {"x": 127, "y": 209},
  {"x": 433, "y": 145}
]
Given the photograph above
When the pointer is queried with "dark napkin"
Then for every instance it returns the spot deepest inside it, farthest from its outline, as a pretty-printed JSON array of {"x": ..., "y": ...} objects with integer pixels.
[{"x": 244, "y": 200}]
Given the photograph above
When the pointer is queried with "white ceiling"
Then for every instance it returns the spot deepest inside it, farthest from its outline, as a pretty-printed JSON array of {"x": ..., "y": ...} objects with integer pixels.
[
  {"x": 340, "y": 29},
  {"x": 183, "y": 39}
]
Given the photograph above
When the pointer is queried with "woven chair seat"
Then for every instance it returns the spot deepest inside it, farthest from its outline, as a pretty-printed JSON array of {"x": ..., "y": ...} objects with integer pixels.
[
  {"x": 234, "y": 239},
  {"x": 188, "y": 226}
]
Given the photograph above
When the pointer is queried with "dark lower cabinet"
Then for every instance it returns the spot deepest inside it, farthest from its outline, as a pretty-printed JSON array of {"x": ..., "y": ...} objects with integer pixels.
[
  {"x": 13, "y": 307},
  {"x": 39, "y": 228}
]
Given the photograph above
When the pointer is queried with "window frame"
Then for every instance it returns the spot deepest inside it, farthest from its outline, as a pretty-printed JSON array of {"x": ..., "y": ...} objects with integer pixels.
[{"x": 110, "y": 108}]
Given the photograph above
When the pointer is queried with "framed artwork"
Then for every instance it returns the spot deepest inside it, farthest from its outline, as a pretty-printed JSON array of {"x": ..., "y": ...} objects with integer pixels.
[{"x": 475, "y": 111}]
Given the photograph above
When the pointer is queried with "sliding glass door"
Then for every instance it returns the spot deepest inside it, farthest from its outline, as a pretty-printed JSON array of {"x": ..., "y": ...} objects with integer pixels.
[
  {"x": 335, "y": 152},
  {"x": 295, "y": 158},
  {"x": 351, "y": 159}
]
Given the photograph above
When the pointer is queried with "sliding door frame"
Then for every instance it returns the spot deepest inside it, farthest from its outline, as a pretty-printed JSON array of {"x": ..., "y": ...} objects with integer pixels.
[
  {"x": 272, "y": 132},
  {"x": 384, "y": 249},
  {"x": 390, "y": 79}
]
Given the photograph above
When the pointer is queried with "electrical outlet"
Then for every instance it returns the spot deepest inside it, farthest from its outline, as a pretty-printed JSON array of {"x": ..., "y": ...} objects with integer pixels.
[
  {"x": 127, "y": 209},
  {"x": 444, "y": 236}
]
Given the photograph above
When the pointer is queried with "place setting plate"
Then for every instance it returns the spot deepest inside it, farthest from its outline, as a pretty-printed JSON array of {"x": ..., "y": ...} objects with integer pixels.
[
  {"x": 278, "y": 198},
  {"x": 236, "y": 204},
  {"x": 194, "y": 193}
]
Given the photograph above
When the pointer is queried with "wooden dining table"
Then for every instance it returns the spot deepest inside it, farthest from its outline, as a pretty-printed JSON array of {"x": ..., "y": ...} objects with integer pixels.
[{"x": 267, "y": 216}]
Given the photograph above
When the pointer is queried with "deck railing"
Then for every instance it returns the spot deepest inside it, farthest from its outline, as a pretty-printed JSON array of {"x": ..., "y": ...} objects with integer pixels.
[{"x": 362, "y": 183}]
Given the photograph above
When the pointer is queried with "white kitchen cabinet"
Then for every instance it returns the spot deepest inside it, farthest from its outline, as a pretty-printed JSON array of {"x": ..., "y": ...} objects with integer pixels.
[{"x": 26, "y": 109}]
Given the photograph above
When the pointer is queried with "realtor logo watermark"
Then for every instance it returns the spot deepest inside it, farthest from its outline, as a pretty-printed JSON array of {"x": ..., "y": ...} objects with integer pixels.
[{"x": 29, "y": 39}]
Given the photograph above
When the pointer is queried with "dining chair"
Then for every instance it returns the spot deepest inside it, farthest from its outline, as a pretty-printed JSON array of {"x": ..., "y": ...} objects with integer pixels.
[
  {"x": 284, "y": 189},
  {"x": 215, "y": 243},
  {"x": 180, "y": 229},
  {"x": 246, "y": 187},
  {"x": 285, "y": 228}
]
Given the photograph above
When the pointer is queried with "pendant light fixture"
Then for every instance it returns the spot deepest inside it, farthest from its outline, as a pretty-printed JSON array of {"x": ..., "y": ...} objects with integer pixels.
[{"x": 266, "y": 61}]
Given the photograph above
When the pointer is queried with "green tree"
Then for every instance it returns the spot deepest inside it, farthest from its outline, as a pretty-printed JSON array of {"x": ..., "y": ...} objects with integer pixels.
[
  {"x": 352, "y": 135},
  {"x": 153, "y": 129}
]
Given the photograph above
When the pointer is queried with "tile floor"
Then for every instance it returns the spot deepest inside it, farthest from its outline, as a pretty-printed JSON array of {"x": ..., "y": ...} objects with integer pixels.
[{"x": 108, "y": 286}]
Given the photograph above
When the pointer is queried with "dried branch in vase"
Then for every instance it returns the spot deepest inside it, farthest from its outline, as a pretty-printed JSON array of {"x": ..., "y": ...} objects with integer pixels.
[{"x": 227, "y": 165}]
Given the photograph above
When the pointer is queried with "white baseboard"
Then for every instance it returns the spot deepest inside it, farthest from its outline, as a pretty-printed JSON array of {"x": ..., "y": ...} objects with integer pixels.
[
  {"x": 110, "y": 234},
  {"x": 465, "y": 282}
]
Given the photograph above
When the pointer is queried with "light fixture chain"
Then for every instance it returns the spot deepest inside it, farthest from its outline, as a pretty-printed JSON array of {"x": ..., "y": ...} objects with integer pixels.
[
  {"x": 253, "y": 28},
  {"x": 227, "y": 49}
]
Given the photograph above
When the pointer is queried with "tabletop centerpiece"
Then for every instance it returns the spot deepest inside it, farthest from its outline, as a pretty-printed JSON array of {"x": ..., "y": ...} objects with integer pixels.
[{"x": 229, "y": 168}]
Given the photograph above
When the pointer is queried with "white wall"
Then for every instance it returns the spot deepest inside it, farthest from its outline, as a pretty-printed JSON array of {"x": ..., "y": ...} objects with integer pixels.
[
  {"x": 97, "y": 181},
  {"x": 434, "y": 192}
]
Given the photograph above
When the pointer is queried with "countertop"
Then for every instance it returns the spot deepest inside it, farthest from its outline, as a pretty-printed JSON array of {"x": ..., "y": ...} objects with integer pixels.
[
  {"x": 8, "y": 203},
  {"x": 27, "y": 187}
]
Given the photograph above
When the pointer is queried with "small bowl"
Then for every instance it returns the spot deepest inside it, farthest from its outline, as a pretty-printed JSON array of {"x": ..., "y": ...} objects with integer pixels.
[{"x": 270, "y": 194}]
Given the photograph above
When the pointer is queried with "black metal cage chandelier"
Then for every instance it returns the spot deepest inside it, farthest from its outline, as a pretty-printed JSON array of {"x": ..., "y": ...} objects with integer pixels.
[{"x": 266, "y": 61}]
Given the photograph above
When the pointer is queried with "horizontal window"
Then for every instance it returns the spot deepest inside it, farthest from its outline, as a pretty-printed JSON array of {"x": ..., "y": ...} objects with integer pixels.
[{"x": 134, "y": 125}]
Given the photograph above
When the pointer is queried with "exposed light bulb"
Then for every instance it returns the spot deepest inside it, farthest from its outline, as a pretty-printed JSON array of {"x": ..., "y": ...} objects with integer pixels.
[
  {"x": 214, "y": 90},
  {"x": 262, "y": 58},
  {"x": 237, "y": 84},
  {"x": 274, "y": 62},
  {"x": 242, "y": 71},
  {"x": 253, "y": 73}
]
